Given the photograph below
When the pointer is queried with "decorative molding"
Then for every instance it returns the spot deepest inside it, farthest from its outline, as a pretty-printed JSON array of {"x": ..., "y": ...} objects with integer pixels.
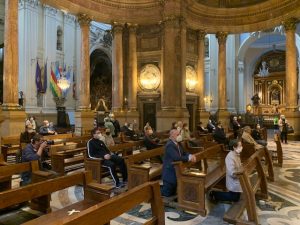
[
  {"x": 129, "y": 5},
  {"x": 84, "y": 20},
  {"x": 101, "y": 36},
  {"x": 241, "y": 67},
  {"x": 31, "y": 3},
  {"x": 117, "y": 28},
  {"x": 201, "y": 35},
  {"x": 71, "y": 19},
  {"x": 222, "y": 37},
  {"x": 290, "y": 24},
  {"x": 132, "y": 27},
  {"x": 50, "y": 11}
]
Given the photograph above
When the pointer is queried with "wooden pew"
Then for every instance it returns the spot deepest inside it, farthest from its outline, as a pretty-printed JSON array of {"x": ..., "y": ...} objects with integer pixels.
[
  {"x": 10, "y": 145},
  {"x": 57, "y": 137},
  {"x": 250, "y": 184},
  {"x": 74, "y": 140},
  {"x": 249, "y": 149},
  {"x": 277, "y": 154},
  {"x": 103, "y": 212},
  {"x": 95, "y": 165},
  {"x": 93, "y": 192},
  {"x": 193, "y": 184},
  {"x": 67, "y": 156},
  {"x": 139, "y": 173},
  {"x": 7, "y": 170}
]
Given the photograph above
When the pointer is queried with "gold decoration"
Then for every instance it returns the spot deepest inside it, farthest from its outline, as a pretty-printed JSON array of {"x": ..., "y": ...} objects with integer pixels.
[
  {"x": 290, "y": 24},
  {"x": 84, "y": 19},
  {"x": 222, "y": 37},
  {"x": 191, "y": 78},
  {"x": 274, "y": 82},
  {"x": 149, "y": 78},
  {"x": 201, "y": 34}
]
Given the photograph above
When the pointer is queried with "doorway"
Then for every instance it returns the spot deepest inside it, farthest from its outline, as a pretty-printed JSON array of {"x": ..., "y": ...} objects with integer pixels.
[{"x": 149, "y": 114}]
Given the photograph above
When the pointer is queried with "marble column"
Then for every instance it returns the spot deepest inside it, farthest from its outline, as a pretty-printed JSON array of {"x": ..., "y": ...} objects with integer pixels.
[
  {"x": 84, "y": 90},
  {"x": 83, "y": 115},
  {"x": 117, "y": 67},
  {"x": 222, "y": 37},
  {"x": 132, "y": 69},
  {"x": 241, "y": 94},
  {"x": 223, "y": 114},
  {"x": 291, "y": 112},
  {"x": 173, "y": 86},
  {"x": 12, "y": 116},
  {"x": 291, "y": 65},
  {"x": 11, "y": 53},
  {"x": 202, "y": 115}
]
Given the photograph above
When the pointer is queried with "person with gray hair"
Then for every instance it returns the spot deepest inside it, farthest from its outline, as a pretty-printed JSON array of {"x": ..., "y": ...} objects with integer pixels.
[
  {"x": 108, "y": 124},
  {"x": 173, "y": 152},
  {"x": 246, "y": 136}
]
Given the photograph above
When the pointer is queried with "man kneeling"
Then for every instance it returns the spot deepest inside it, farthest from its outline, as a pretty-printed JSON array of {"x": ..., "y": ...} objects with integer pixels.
[{"x": 97, "y": 149}]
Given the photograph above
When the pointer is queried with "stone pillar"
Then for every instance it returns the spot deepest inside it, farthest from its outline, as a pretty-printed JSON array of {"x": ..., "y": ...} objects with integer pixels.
[
  {"x": 12, "y": 115},
  {"x": 83, "y": 115},
  {"x": 132, "y": 69},
  {"x": 291, "y": 99},
  {"x": 291, "y": 65},
  {"x": 223, "y": 114},
  {"x": 117, "y": 68},
  {"x": 241, "y": 94},
  {"x": 173, "y": 90},
  {"x": 202, "y": 115}
]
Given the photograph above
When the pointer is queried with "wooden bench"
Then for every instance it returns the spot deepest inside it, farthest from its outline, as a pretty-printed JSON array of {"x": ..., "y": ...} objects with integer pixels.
[
  {"x": 193, "y": 184},
  {"x": 104, "y": 212},
  {"x": 277, "y": 154},
  {"x": 95, "y": 165},
  {"x": 10, "y": 145},
  {"x": 58, "y": 136},
  {"x": 69, "y": 155},
  {"x": 73, "y": 140},
  {"x": 252, "y": 178},
  {"x": 249, "y": 149},
  {"x": 8, "y": 170},
  {"x": 93, "y": 192},
  {"x": 140, "y": 171}
]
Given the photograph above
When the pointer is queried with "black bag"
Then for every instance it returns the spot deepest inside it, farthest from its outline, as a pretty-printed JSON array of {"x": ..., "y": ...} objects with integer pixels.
[{"x": 290, "y": 130}]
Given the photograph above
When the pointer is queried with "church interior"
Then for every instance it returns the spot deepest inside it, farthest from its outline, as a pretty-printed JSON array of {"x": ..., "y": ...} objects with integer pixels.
[{"x": 134, "y": 71}]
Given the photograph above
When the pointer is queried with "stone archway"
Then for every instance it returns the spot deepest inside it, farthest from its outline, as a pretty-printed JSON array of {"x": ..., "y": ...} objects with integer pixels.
[{"x": 100, "y": 80}]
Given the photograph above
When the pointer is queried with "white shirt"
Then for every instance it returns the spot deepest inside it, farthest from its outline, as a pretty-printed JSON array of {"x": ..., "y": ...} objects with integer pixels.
[{"x": 233, "y": 165}]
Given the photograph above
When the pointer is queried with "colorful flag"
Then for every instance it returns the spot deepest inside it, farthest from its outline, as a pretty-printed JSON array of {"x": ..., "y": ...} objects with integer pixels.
[
  {"x": 38, "y": 78},
  {"x": 56, "y": 91},
  {"x": 45, "y": 78}
]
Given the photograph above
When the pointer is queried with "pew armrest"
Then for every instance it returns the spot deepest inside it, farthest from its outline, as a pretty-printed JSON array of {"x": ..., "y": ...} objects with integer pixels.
[
  {"x": 141, "y": 167},
  {"x": 41, "y": 173}
]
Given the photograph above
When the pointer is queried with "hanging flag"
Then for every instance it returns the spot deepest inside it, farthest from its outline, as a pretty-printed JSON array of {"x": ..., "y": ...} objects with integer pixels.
[
  {"x": 74, "y": 85},
  {"x": 38, "y": 78},
  {"x": 56, "y": 91},
  {"x": 45, "y": 78}
]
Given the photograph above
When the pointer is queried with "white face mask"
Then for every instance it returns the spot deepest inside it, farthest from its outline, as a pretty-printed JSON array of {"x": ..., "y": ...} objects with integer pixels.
[
  {"x": 179, "y": 138},
  {"x": 239, "y": 149}
]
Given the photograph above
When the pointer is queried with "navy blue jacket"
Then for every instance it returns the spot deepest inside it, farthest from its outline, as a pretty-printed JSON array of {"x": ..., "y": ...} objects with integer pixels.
[
  {"x": 171, "y": 155},
  {"x": 97, "y": 148},
  {"x": 28, "y": 154}
]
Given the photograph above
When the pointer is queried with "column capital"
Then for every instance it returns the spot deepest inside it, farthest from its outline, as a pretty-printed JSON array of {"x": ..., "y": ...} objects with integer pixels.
[
  {"x": 201, "y": 35},
  {"x": 241, "y": 66},
  {"x": 290, "y": 24},
  {"x": 173, "y": 20},
  {"x": 84, "y": 19},
  {"x": 117, "y": 28},
  {"x": 132, "y": 27},
  {"x": 222, "y": 37}
]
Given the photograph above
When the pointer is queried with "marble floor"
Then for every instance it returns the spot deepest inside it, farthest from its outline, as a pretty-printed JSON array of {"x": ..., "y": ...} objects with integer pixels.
[{"x": 282, "y": 207}]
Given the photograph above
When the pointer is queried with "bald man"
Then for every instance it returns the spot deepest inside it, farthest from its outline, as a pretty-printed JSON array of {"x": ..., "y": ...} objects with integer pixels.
[{"x": 173, "y": 152}]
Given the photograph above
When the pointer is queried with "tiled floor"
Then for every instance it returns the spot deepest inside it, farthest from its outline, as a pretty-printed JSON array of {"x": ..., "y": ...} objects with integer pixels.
[{"x": 282, "y": 207}]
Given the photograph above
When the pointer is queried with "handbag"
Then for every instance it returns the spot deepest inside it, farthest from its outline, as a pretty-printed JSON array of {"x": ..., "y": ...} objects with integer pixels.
[{"x": 290, "y": 130}]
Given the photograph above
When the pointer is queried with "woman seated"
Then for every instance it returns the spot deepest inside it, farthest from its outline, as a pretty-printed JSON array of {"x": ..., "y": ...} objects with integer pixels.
[{"x": 257, "y": 136}]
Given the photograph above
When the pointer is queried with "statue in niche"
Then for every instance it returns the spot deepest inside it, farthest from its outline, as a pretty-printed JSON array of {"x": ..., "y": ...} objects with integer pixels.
[
  {"x": 263, "y": 70},
  {"x": 255, "y": 100},
  {"x": 275, "y": 96}
]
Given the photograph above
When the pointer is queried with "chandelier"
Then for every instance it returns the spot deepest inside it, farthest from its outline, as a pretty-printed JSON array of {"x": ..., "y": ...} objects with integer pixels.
[{"x": 63, "y": 83}]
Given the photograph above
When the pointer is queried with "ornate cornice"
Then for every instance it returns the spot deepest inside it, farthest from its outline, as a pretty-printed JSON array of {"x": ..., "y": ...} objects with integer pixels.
[
  {"x": 133, "y": 4},
  {"x": 290, "y": 24},
  {"x": 31, "y": 3},
  {"x": 50, "y": 11},
  {"x": 222, "y": 37},
  {"x": 84, "y": 19},
  {"x": 132, "y": 27}
]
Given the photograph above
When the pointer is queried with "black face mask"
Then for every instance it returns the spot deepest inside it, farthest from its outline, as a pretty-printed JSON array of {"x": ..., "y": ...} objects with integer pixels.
[{"x": 107, "y": 133}]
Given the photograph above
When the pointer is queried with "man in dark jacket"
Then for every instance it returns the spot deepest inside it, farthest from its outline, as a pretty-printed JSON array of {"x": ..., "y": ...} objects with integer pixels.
[
  {"x": 219, "y": 135},
  {"x": 173, "y": 152},
  {"x": 149, "y": 141},
  {"x": 97, "y": 149},
  {"x": 31, "y": 152},
  {"x": 236, "y": 127}
]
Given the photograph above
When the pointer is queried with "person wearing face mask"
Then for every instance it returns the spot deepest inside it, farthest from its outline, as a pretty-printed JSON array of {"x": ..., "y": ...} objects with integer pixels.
[
  {"x": 33, "y": 151},
  {"x": 96, "y": 148},
  {"x": 173, "y": 152},
  {"x": 108, "y": 139},
  {"x": 186, "y": 136},
  {"x": 219, "y": 134},
  {"x": 45, "y": 130},
  {"x": 233, "y": 165},
  {"x": 149, "y": 140},
  {"x": 247, "y": 138},
  {"x": 235, "y": 126},
  {"x": 33, "y": 123},
  {"x": 257, "y": 136}
]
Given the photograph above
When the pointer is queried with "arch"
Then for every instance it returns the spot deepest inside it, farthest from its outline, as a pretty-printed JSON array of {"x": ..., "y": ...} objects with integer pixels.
[
  {"x": 101, "y": 47},
  {"x": 100, "y": 79}
]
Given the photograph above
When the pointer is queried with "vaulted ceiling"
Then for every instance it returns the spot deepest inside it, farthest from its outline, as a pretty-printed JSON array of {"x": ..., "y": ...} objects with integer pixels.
[{"x": 234, "y": 16}]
